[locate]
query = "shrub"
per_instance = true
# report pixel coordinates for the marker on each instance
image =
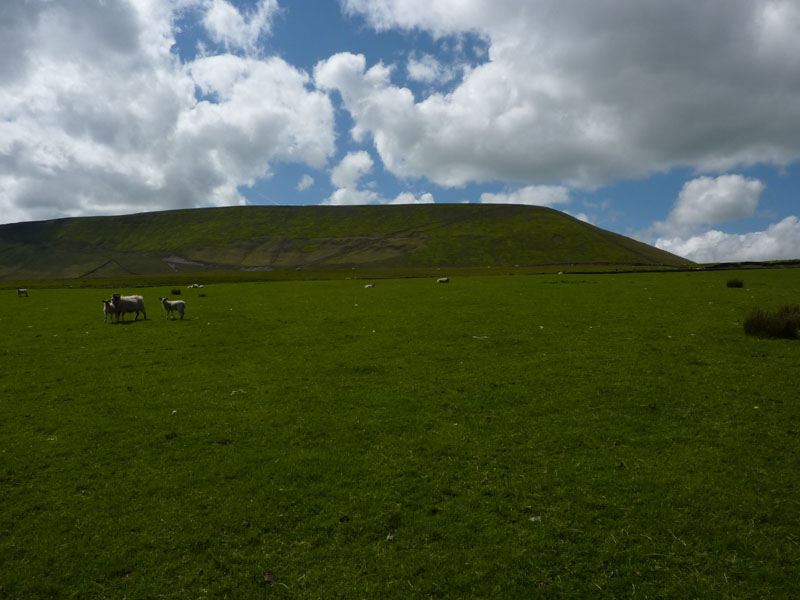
(783, 323)
(176, 292)
(735, 283)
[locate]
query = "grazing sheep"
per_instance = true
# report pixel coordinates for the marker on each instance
(172, 305)
(443, 280)
(369, 286)
(22, 291)
(126, 304)
(108, 311)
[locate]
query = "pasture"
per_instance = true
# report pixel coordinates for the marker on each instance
(497, 437)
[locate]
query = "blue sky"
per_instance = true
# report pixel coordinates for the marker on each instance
(674, 122)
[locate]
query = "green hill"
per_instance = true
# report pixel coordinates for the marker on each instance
(265, 238)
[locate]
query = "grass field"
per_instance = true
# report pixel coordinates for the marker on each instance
(544, 436)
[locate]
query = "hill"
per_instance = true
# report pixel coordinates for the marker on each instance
(265, 238)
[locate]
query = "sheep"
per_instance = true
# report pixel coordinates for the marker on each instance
(443, 280)
(108, 310)
(172, 305)
(22, 291)
(126, 304)
(369, 286)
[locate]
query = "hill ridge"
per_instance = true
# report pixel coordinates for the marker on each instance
(248, 238)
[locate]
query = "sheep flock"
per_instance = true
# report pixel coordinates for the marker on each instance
(118, 305)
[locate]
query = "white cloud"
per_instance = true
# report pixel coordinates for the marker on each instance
(347, 175)
(584, 92)
(427, 69)
(581, 216)
(711, 200)
(409, 198)
(352, 168)
(101, 118)
(227, 26)
(306, 181)
(780, 241)
(351, 196)
(707, 201)
(538, 195)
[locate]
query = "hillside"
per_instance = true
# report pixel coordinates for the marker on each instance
(264, 238)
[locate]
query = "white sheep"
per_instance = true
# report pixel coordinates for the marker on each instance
(108, 310)
(126, 304)
(172, 305)
(443, 280)
(22, 291)
(369, 286)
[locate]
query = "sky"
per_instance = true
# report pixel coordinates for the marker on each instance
(674, 122)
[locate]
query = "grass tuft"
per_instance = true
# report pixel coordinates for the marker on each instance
(782, 323)
(176, 292)
(735, 283)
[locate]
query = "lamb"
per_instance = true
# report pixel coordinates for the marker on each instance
(22, 291)
(172, 305)
(126, 304)
(108, 310)
(443, 280)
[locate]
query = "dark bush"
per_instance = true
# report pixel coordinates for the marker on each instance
(783, 323)
(176, 292)
(735, 283)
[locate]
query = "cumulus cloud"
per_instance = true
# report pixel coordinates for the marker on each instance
(711, 200)
(707, 201)
(428, 69)
(347, 175)
(227, 26)
(581, 216)
(409, 198)
(352, 168)
(351, 196)
(779, 241)
(584, 92)
(538, 195)
(306, 181)
(104, 119)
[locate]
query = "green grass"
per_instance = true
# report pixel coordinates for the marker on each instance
(520, 437)
(313, 237)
